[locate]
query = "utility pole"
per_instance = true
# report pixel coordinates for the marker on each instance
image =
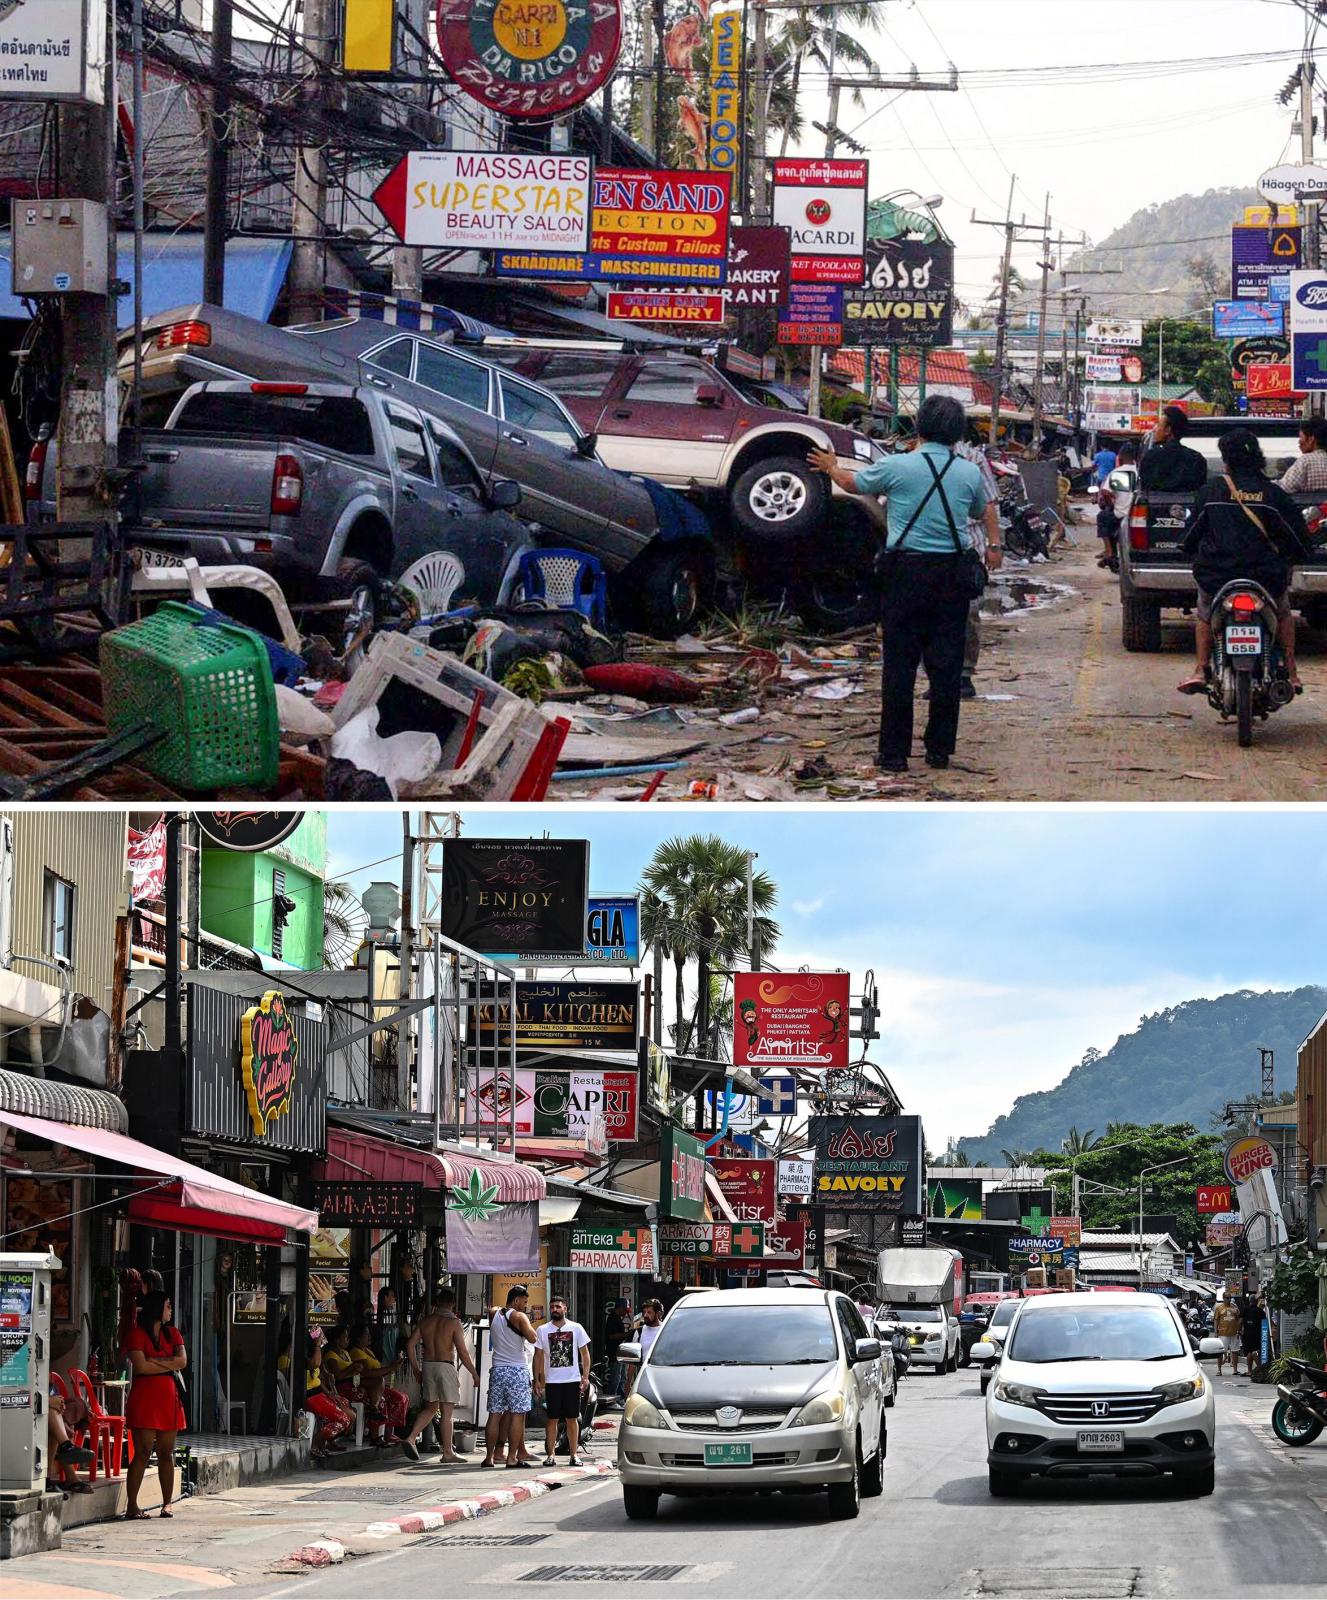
(89, 390)
(1041, 329)
(215, 220)
(308, 223)
(648, 52)
(1312, 245)
(408, 260)
(659, 65)
(760, 115)
(1011, 229)
(406, 960)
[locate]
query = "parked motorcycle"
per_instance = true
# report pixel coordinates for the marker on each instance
(1246, 677)
(1300, 1415)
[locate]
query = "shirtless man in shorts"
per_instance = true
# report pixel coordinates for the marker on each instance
(442, 1340)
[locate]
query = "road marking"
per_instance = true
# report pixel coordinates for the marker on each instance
(1090, 666)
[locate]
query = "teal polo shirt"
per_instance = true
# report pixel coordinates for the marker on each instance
(905, 479)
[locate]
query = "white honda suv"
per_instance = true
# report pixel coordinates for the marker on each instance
(1098, 1383)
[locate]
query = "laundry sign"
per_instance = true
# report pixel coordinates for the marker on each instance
(908, 296)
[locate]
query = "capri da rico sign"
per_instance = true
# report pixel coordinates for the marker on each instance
(529, 58)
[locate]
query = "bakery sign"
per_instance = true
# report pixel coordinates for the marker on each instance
(269, 1060)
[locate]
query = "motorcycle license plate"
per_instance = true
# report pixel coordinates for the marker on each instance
(736, 1454)
(1243, 641)
(1100, 1440)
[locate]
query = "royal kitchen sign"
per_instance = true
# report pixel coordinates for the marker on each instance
(869, 1163)
(791, 1019)
(529, 58)
(561, 1015)
(482, 200)
(822, 203)
(908, 296)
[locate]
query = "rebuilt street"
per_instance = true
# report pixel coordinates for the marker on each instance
(935, 1531)
(1063, 712)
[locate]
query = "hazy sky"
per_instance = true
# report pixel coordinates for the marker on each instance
(1004, 943)
(1103, 146)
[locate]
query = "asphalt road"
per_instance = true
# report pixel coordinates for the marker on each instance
(935, 1531)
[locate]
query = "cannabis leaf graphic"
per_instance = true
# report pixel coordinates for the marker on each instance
(477, 1201)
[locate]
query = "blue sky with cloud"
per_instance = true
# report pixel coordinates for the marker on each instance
(1004, 943)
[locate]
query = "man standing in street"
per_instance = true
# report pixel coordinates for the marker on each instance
(434, 1349)
(651, 1318)
(562, 1372)
(509, 1331)
(1227, 1325)
(617, 1329)
(1103, 464)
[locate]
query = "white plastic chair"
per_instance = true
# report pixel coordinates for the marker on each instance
(435, 578)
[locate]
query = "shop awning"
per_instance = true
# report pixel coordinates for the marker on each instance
(354, 1157)
(194, 1201)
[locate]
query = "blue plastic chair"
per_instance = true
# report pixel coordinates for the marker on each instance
(565, 580)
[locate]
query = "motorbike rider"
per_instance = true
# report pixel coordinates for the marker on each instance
(1244, 526)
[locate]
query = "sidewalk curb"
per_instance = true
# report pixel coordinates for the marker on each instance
(330, 1552)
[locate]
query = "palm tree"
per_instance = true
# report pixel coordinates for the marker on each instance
(1017, 1158)
(1077, 1144)
(693, 908)
(807, 35)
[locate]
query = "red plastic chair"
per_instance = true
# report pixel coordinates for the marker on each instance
(76, 1435)
(107, 1432)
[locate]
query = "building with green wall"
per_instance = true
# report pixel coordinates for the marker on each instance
(271, 901)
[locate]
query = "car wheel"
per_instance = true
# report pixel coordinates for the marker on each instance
(673, 586)
(985, 1382)
(845, 1499)
(892, 1396)
(1200, 1482)
(640, 1503)
(1140, 625)
(357, 582)
(838, 602)
(779, 498)
(1002, 1484)
(873, 1472)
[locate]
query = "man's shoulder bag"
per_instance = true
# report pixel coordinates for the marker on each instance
(970, 574)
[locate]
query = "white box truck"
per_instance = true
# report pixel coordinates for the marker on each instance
(921, 1289)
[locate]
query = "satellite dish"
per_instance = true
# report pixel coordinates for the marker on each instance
(344, 923)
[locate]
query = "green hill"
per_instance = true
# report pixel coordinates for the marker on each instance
(1158, 248)
(1178, 1065)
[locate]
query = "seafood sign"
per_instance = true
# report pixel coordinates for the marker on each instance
(795, 1019)
(868, 1163)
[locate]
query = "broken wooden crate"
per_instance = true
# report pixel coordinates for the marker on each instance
(495, 746)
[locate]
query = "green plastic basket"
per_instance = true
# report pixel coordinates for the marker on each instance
(207, 685)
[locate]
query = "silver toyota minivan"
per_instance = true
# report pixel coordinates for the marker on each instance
(747, 1389)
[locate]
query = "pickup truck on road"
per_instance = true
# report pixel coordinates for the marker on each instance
(1154, 573)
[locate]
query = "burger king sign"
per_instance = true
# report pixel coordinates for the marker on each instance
(1246, 1156)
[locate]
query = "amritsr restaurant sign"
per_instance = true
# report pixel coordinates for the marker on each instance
(516, 899)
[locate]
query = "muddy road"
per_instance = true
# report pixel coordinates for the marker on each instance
(1063, 713)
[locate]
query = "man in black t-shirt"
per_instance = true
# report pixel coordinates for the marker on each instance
(617, 1330)
(1167, 464)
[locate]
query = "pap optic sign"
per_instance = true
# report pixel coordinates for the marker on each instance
(529, 58)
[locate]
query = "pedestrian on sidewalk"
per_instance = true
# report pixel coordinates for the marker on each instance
(1103, 464)
(924, 573)
(562, 1375)
(509, 1331)
(389, 1406)
(1252, 1308)
(1228, 1324)
(332, 1416)
(651, 1320)
(617, 1330)
(153, 1413)
(61, 1451)
(434, 1348)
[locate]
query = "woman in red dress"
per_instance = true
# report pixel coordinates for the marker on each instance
(154, 1414)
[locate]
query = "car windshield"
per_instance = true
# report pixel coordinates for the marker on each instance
(745, 1336)
(917, 1313)
(1003, 1314)
(1106, 1333)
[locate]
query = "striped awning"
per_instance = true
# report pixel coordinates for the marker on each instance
(62, 1102)
(355, 1157)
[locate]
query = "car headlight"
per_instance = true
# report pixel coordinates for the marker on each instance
(1174, 1394)
(863, 450)
(825, 1408)
(639, 1413)
(1017, 1394)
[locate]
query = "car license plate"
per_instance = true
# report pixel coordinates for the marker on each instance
(1101, 1439)
(1244, 641)
(728, 1455)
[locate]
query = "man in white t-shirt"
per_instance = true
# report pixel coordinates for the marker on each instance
(651, 1319)
(561, 1375)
